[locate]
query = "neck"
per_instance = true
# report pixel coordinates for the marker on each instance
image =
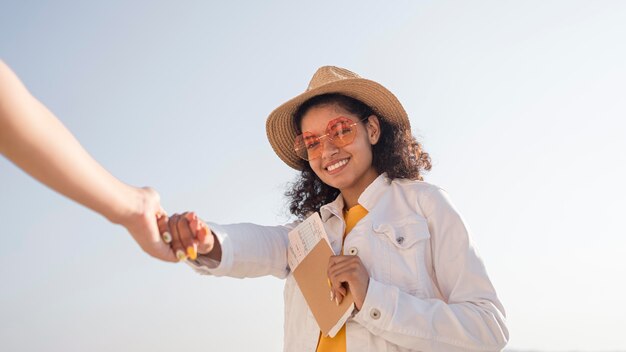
(351, 194)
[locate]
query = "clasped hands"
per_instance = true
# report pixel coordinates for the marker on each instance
(189, 236)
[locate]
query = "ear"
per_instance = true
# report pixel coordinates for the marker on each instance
(372, 126)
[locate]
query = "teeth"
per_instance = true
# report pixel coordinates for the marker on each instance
(337, 165)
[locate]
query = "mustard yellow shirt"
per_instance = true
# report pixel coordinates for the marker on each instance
(338, 343)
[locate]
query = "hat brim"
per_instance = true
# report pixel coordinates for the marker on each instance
(280, 128)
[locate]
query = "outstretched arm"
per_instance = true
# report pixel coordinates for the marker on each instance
(37, 142)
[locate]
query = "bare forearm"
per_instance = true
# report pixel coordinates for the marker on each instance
(36, 141)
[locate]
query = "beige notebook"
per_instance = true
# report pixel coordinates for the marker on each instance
(309, 252)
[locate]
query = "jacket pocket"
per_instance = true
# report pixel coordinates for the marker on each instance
(403, 244)
(405, 233)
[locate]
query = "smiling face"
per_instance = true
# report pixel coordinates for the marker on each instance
(348, 168)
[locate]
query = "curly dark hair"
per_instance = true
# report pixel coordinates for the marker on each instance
(397, 153)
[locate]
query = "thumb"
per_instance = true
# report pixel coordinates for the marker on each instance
(156, 247)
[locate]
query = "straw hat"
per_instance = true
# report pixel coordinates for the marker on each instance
(281, 130)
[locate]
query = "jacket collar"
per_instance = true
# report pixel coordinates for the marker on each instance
(367, 199)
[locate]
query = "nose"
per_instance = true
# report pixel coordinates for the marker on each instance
(328, 148)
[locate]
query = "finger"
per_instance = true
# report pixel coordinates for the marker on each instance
(341, 260)
(337, 287)
(203, 230)
(187, 237)
(336, 297)
(338, 264)
(164, 229)
(336, 259)
(192, 218)
(338, 294)
(198, 227)
(338, 270)
(205, 239)
(356, 281)
(332, 293)
(348, 271)
(344, 275)
(177, 244)
(161, 212)
(160, 249)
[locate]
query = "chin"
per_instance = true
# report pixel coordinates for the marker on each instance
(338, 182)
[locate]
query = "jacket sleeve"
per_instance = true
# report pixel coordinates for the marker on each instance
(248, 250)
(470, 318)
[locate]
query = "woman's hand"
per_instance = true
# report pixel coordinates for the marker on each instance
(347, 272)
(189, 236)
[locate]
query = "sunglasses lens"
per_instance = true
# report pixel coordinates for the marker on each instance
(308, 146)
(342, 132)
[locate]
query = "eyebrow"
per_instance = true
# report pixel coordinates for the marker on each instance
(327, 125)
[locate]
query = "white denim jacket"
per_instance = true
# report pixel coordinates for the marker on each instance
(428, 289)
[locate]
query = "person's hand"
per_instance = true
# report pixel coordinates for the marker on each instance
(347, 272)
(188, 235)
(141, 223)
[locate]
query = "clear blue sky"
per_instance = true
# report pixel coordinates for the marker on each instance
(520, 103)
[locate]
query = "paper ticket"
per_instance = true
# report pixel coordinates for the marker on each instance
(303, 238)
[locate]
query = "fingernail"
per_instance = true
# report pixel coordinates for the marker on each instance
(167, 237)
(191, 253)
(332, 295)
(337, 300)
(196, 224)
(202, 228)
(181, 255)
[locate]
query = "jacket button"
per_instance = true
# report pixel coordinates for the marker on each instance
(353, 251)
(400, 240)
(375, 313)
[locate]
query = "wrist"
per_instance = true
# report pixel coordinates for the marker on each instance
(215, 253)
(132, 206)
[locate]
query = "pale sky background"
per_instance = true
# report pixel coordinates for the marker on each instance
(522, 105)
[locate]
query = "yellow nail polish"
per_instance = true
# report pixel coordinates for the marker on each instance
(191, 253)
(181, 255)
(167, 238)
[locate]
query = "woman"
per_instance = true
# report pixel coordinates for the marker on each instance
(406, 257)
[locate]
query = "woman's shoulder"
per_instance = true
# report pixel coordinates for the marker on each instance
(404, 198)
(425, 195)
(421, 187)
